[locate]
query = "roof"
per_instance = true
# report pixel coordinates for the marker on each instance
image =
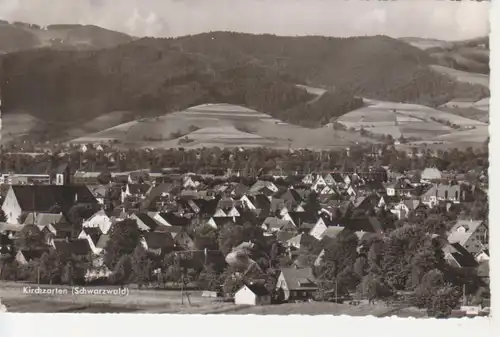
(461, 255)
(32, 254)
(299, 278)
(94, 233)
(157, 240)
(8, 227)
(44, 219)
(103, 241)
(147, 220)
(431, 173)
(174, 220)
(303, 239)
(77, 247)
(138, 188)
(459, 236)
(332, 232)
(275, 223)
(285, 236)
(257, 288)
(364, 223)
(40, 198)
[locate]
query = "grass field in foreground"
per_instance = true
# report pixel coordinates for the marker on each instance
(162, 301)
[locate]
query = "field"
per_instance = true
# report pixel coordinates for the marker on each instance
(222, 125)
(16, 125)
(409, 120)
(162, 301)
(463, 76)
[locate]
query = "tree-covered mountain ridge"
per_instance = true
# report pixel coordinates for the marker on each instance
(161, 75)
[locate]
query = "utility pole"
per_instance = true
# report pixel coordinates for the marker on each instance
(336, 292)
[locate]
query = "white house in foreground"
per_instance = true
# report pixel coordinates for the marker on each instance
(252, 294)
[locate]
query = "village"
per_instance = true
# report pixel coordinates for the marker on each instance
(371, 234)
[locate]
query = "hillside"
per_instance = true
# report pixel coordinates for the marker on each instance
(471, 55)
(155, 76)
(412, 120)
(221, 125)
(18, 36)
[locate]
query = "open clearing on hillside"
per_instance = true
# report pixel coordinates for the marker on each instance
(462, 76)
(423, 43)
(221, 125)
(15, 125)
(410, 120)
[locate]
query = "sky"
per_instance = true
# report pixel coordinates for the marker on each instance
(440, 19)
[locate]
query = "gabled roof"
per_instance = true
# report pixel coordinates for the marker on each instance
(40, 198)
(76, 247)
(174, 220)
(44, 219)
(138, 189)
(158, 240)
(364, 223)
(303, 239)
(459, 236)
(275, 223)
(461, 255)
(299, 278)
(102, 242)
(94, 233)
(285, 236)
(32, 254)
(332, 232)
(257, 288)
(147, 220)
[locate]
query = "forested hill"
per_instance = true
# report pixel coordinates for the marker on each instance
(257, 71)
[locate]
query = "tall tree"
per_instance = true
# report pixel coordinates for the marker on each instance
(141, 266)
(124, 236)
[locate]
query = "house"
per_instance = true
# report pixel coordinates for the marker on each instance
(23, 199)
(25, 256)
(331, 232)
(246, 203)
(400, 188)
(441, 192)
(8, 234)
(179, 236)
(458, 256)
(431, 174)
(272, 225)
(302, 241)
(45, 219)
(99, 192)
(404, 207)
(135, 190)
(171, 219)
(368, 224)
(318, 229)
(319, 184)
(328, 178)
(92, 235)
(261, 185)
(473, 235)
(252, 294)
(144, 221)
(100, 220)
(79, 247)
(296, 284)
(308, 179)
(157, 243)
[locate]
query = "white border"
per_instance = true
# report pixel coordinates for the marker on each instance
(21, 325)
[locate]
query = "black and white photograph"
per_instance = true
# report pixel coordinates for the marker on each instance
(245, 157)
